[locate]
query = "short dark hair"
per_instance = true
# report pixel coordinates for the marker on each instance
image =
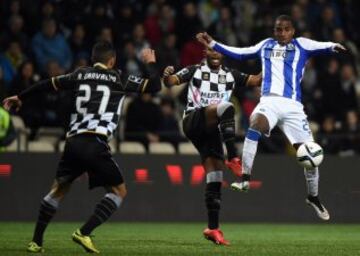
(284, 17)
(102, 52)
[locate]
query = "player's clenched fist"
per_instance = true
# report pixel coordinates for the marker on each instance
(168, 71)
(204, 38)
(148, 55)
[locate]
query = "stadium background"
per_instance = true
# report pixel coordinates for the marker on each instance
(40, 39)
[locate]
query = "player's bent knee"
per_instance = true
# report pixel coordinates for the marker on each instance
(225, 108)
(119, 190)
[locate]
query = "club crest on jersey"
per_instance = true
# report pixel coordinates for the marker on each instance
(205, 76)
(290, 47)
(222, 79)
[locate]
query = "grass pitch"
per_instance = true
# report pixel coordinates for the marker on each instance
(186, 239)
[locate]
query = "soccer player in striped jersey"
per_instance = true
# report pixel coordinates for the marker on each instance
(283, 61)
(98, 96)
(209, 121)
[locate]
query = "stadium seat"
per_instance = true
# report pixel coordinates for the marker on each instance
(161, 148)
(187, 148)
(113, 145)
(18, 123)
(40, 146)
(130, 147)
(13, 147)
(61, 146)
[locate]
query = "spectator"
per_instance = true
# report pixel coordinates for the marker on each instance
(187, 24)
(32, 112)
(125, 23)
(167, 53)
(143, 128)
(3, 89)
(129, 62)
(50, 45)
(139, 40)
(78, 42)
(352, 55)
(224, 28)
(169, 128)
(351, 132)
(14, 31)
(328, 137)
(15, 54)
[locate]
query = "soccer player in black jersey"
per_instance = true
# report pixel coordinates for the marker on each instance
(98, 95)
(209, 121)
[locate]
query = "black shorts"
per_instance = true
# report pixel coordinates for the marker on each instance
(89, 153)
(207, 141)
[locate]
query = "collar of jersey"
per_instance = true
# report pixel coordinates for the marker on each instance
(99, 64)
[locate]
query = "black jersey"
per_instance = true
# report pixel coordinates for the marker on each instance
(98, 95)
(207, 86)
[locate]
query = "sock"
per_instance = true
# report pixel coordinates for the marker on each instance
(249, 151)
(312, 181)
(47, 211)
(213, 197)
(226, 112)
(103, 211)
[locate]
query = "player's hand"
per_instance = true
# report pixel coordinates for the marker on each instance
(168, 71)
(148, 55)
(12, 102)
(204, 38)
(339, 48)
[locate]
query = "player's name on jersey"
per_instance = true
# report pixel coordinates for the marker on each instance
(97, 76)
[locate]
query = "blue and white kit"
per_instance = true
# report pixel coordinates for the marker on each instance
(282, 71)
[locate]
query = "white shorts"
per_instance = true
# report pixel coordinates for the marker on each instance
(288, 115)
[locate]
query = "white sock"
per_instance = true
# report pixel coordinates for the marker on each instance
(312, 181)
(248, 155)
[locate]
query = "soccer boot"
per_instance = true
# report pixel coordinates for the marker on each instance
(34, 248)
(234, 165)
(216, 236)
(320, 210)
(84, 241)
(242, 186)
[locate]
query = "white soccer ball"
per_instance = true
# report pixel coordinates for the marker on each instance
(310, 155)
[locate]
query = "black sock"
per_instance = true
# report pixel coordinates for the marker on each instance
(213, 200)
(103, 211)
(46, 213)
(245, 177)
(227, 130)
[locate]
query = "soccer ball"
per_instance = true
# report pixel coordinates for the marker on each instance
(310, 155)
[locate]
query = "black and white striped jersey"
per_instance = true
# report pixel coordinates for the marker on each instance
(98, 96)
(207, 87)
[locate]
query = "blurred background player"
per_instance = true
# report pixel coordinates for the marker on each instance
(208, 121)
(99, 94)
(283, 60)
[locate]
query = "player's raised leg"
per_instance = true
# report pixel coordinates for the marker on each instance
(258, 125)
(226, 114)
(214, 178)
(47, 211)
(103, 211)
(312, 185)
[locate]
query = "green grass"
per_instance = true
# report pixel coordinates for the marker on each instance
(186, 239)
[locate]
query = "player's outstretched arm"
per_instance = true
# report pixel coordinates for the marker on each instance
(315, 47)
(16, 100)
(233, 52)
(150, 82)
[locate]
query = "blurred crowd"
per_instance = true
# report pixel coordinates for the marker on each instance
(44, 38)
